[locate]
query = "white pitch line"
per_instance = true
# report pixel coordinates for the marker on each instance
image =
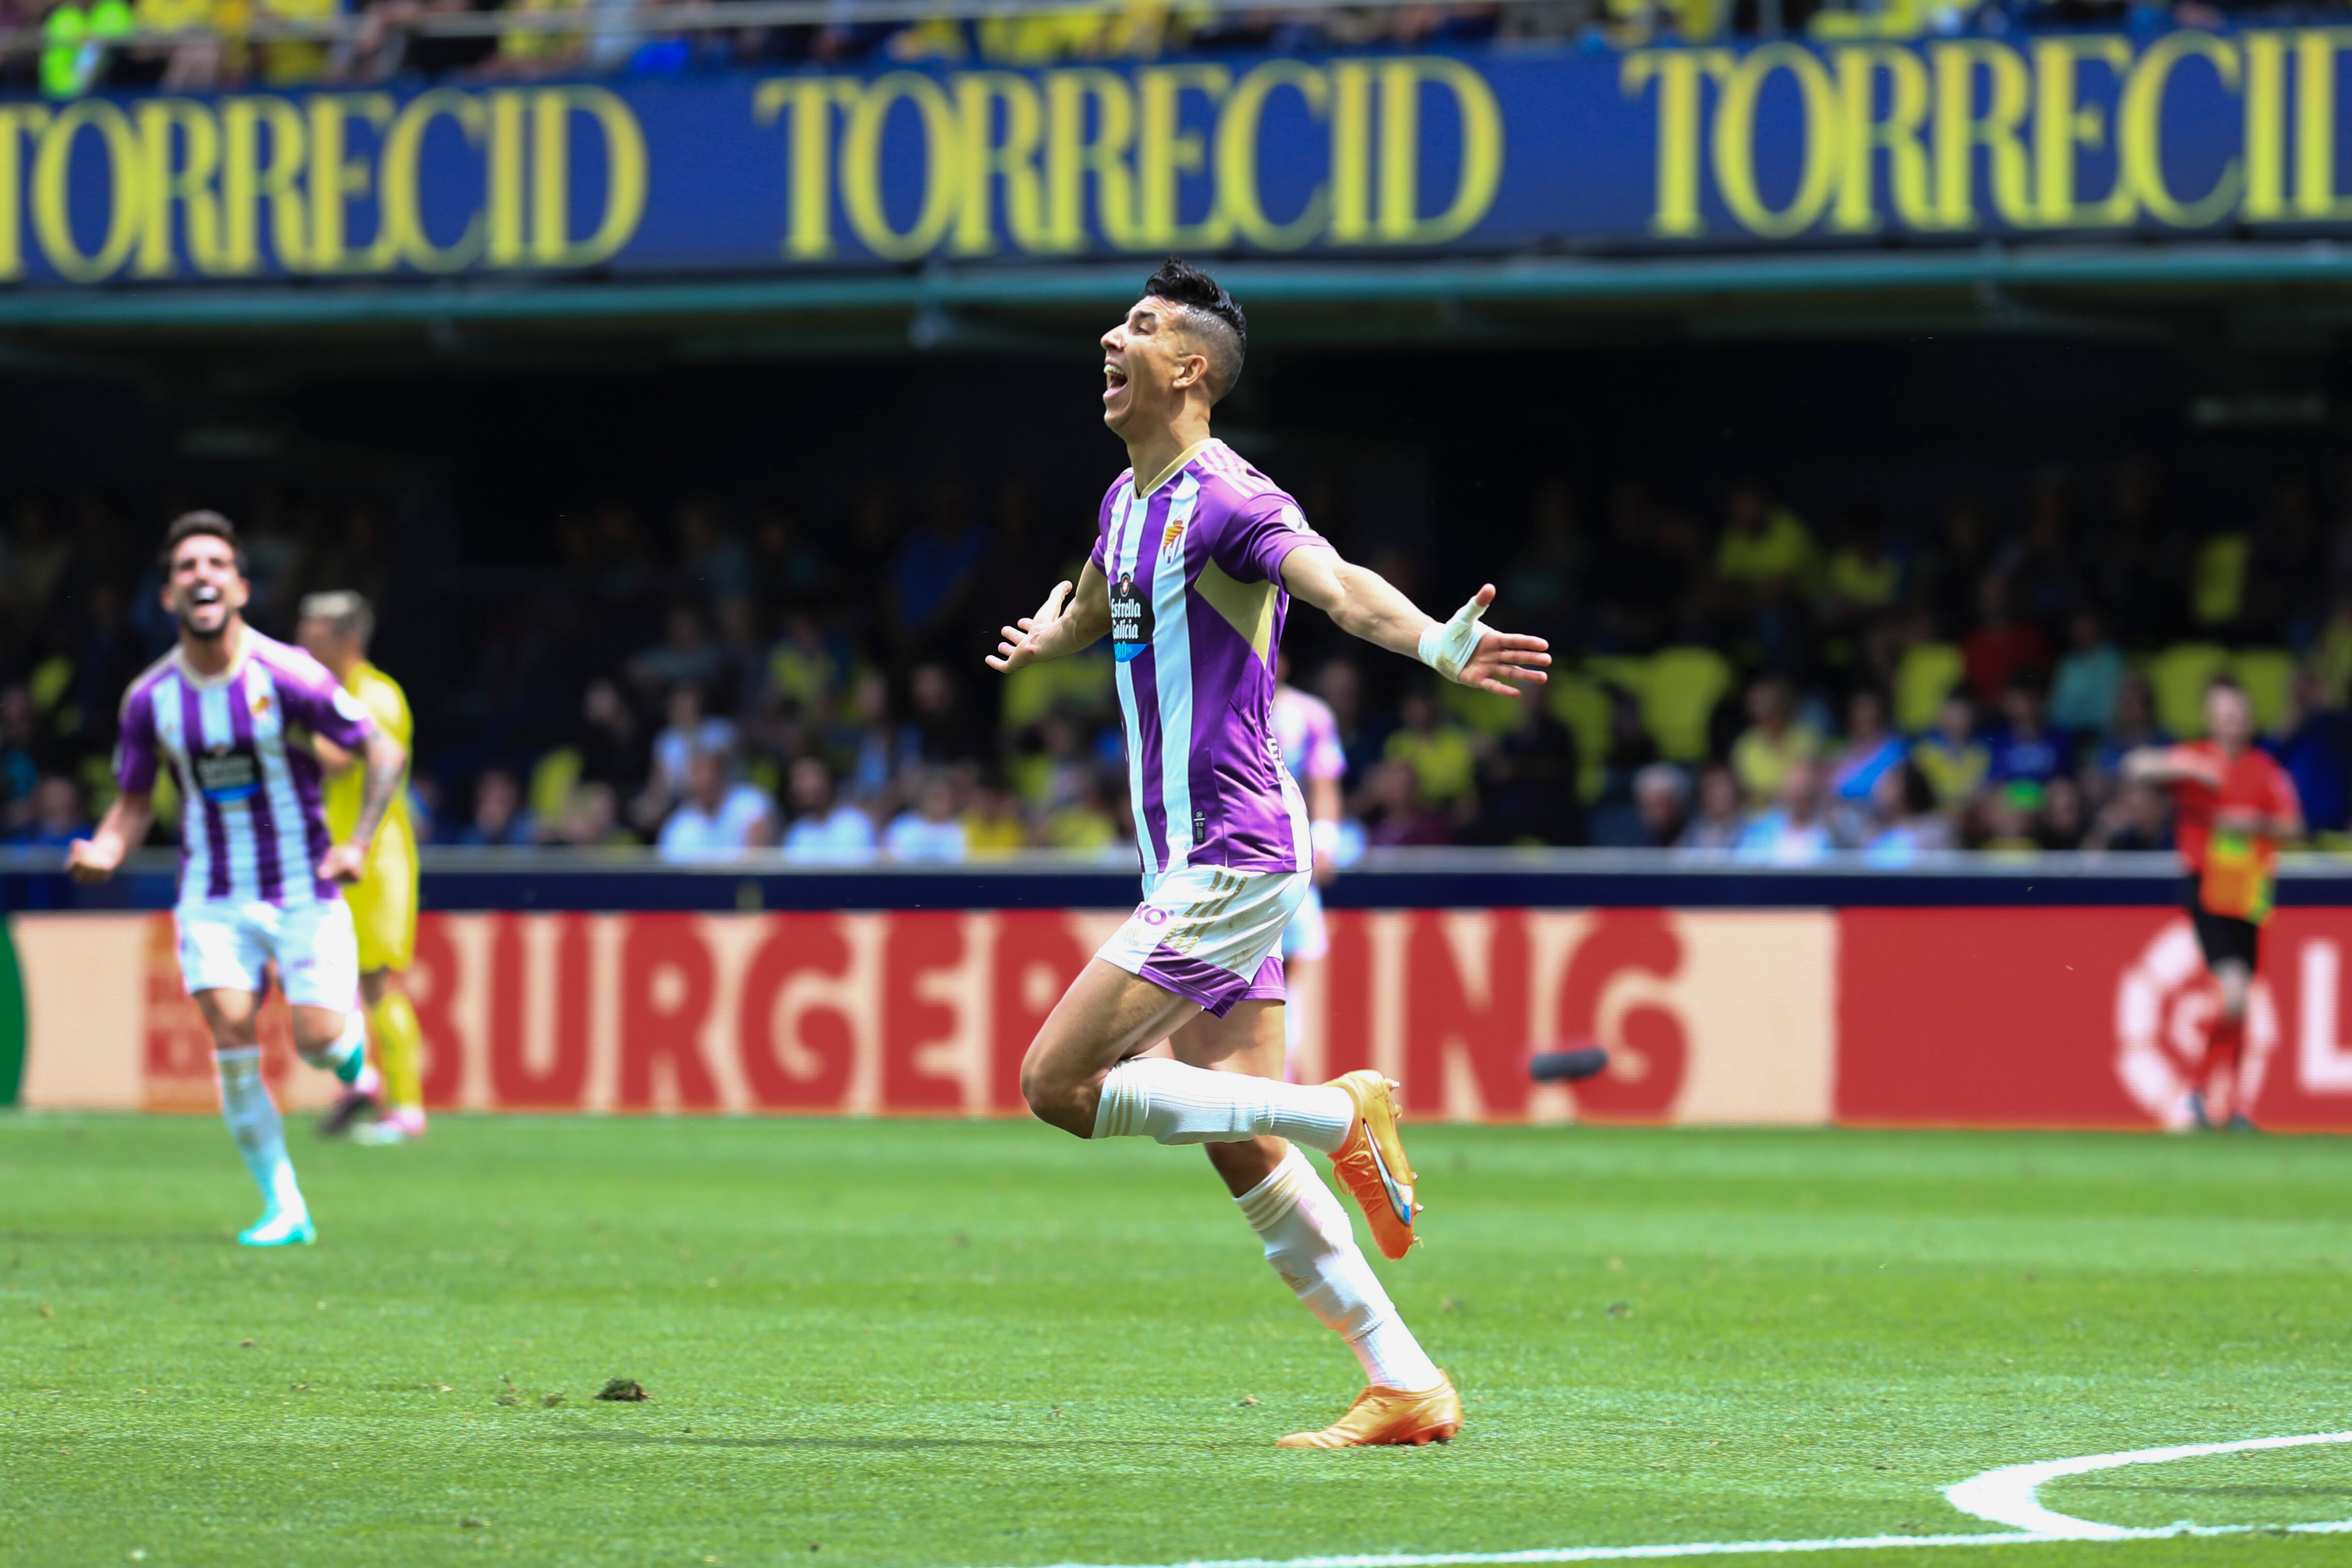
(2005, 1496)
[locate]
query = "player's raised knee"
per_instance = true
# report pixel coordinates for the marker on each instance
(1057, 1097)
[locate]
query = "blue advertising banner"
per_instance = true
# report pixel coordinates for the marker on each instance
(1781, 145)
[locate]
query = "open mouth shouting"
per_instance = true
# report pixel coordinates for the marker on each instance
(1114, 380)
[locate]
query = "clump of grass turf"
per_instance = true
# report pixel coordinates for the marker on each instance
(626, 1389)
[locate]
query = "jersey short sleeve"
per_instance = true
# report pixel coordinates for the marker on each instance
(1325, 759)
(134, 750)
(316, 702)
(1263, 530)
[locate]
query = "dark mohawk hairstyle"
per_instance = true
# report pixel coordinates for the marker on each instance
(1214, 310)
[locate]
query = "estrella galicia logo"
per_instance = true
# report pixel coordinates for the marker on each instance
(1131, 619)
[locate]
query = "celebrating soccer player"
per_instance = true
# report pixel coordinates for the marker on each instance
(1196, 556)
(2232, 805)
(260, 879)
(334, 629)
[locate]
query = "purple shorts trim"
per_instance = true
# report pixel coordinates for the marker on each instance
(1198, 980)
(1270, 984)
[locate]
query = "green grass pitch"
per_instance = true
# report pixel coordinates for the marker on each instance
(989, 1345)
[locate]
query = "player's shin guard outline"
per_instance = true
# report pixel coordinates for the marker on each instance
(1309, 1243)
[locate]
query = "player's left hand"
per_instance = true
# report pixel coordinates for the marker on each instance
(343, 863)
(1505, 661)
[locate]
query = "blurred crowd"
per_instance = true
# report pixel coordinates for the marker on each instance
(1738, 678)
(383, 42)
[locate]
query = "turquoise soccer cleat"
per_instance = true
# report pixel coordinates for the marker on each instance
(279, 1228)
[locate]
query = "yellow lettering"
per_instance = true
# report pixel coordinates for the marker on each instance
(1673, 208)
(2061, 123)
(246, 183)
(1352, 151)
(502, 180)
(861, 165)
(551, 243)
(1165, 152)
(1959, 131)
(52, 214)
(335, 179)
(188, 184)
(1482, 150)
(2141, 120)
(1858, 69)
(808, 172)
(2265, 143)
(17, 121)
(1071, 156)
(1014, 159)
(2315, 49)
(1734, 141)
(403, 214)
(1237, 142)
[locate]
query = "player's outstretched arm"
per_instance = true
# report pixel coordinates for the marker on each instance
(386, 762)
(1364, 604)
(96, 857)
(1066, 623)
(2162, 766)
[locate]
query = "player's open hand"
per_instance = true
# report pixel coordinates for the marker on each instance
(343, 863)
(88, 861)
(1019, 641)
(1503, 662)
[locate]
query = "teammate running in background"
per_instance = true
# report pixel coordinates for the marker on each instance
(334, 629)
(1309, 734)
(1196, 556)
(260, 879)
(2231, 807)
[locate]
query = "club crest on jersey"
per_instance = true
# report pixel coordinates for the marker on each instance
(260, 705)
(1172, 538)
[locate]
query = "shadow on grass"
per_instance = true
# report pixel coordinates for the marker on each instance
(859, 1445)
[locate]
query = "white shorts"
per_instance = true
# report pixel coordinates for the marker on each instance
(223, 945)
(1209, 934)
(1305, 937)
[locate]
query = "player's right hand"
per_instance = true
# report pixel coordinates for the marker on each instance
(1018, 644)
(87, 861)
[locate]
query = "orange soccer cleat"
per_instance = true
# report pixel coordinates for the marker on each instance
(1390, 1415)
(1372, 1165)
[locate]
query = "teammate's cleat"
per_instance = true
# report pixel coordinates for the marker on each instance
(1372, 1162)
(358, 1100)
(2197, 1118)
(278, 1227)
(1388, 1416)
(401, 1124)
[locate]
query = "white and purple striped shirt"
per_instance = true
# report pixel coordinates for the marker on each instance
(253, 827)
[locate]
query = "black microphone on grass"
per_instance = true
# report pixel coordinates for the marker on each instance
(1571, 1064)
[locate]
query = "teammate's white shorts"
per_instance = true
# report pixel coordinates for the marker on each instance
(1305, 937)
(1209, 934)
(224, 943)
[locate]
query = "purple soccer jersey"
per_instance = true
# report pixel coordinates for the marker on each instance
(253, 826)
(1196, 610)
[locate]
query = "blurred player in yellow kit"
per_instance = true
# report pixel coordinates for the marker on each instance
(334, 629)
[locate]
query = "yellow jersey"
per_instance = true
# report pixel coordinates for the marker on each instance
(383, 901)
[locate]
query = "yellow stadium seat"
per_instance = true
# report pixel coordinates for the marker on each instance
(2268, 676)
(1488, 713)
(1923, 679)
(2179, 676)
(1680, 697)
(1582, 704)
(2217, 580)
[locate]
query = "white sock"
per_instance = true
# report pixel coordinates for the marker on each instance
(253, 1121)
(335, 1056)
(1308, 1241)
(1152, 1097)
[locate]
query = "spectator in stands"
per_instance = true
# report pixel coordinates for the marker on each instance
(1438, 753)
(1904, 822)
(612, 753)
(992, 824)
(2041, 568)
(1954, 761)
(822, 828)
(1662, 801)
(2136, 819)
(1774, 742)
(2064, 821)
(1082, 823)
(2133, 726)
(931, 829)
(2003, 646)
(499, 820)
(2011, 818)
(2089, 676)
(1872, 748)
(1395, 816)
(57, 818)
(1526, 783)
(1340, 684)
(2024, 746)
(592, 818)
(691, 729)
(1863, 579)
(1794, 831)
(718, 815)
(942, 721)
(1615, 819)
(685, 657)
(1541, 582)
(933, 570)
(1720, 821)
(1766, 550)
(2315, 749)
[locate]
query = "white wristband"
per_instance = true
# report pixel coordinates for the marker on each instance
(1446, 649)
